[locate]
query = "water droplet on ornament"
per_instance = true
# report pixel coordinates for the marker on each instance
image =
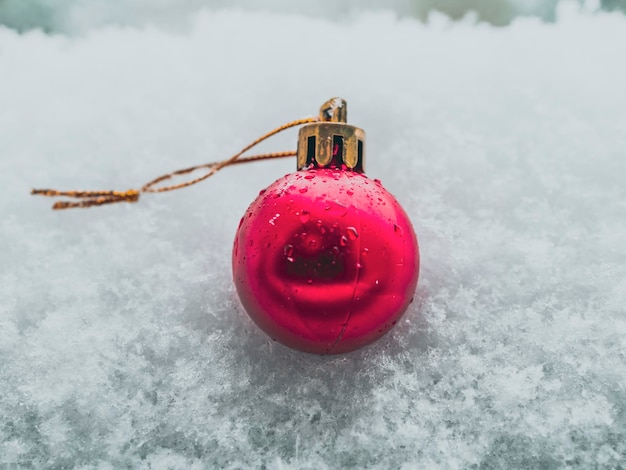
(359, 265)
(365, 251)
(352, 233)
(290, 259)
(343, 241)
(263, 191)
(309, 177)
(376, 180)
(273, 219)
(349, 192)
(303, 190)
(304, 217)
(250, 242)
(288, 250)
(398, 230)
(309, 281)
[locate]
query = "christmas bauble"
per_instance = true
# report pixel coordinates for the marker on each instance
(325, 260)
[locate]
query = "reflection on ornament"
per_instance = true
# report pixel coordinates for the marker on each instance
(325, 260)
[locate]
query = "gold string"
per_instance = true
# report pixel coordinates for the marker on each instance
(99, 198)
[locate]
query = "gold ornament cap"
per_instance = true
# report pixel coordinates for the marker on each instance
(331, 142)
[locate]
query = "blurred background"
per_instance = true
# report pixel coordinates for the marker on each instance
(76, 16)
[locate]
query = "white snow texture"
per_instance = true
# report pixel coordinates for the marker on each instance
(122, 341)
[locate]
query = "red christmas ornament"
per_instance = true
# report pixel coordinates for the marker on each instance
(325, 260)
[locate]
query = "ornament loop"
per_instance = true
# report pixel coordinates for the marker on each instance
(99, 197)
(334, 110)
(326, 141)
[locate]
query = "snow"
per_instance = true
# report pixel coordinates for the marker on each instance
(122, 342)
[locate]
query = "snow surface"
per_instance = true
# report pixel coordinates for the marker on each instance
(122, 342)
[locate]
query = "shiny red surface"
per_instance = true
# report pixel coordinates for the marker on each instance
(325, 261)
